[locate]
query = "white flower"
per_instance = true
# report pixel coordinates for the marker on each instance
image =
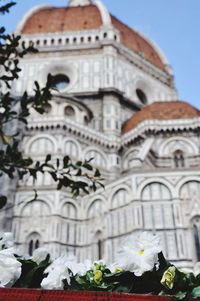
(196, 269)
(82, 268)
(2, 110)
(10, 268)
(39, 255)
(115, 268)
(57, 272)
(141, 256)
(186, 270)
(6, 240)
(77, 268)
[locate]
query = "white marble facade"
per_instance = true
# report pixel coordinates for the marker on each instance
(152, 176)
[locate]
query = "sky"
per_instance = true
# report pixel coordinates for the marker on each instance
(174, 25)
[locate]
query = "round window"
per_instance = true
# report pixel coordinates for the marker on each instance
(60, 82)
(69, 111)
(141, 96)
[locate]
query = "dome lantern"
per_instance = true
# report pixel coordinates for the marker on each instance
(79, 2)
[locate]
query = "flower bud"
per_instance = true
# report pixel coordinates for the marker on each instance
(97, 276)
(168, 277)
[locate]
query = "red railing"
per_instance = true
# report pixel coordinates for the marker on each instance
(40, 295)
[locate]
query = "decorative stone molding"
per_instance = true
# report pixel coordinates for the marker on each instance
(160, 125)
(104, 13)
(79, 2)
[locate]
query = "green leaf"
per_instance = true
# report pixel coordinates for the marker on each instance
(79, 163)
(60, 185)
(5, 8)
(97, 173)
(88, 161)
(48, 158)
(32, 273)
(54, 176)
(87, 166)
(196, 292)
(180, 295)
(66, 161)
(5, 139)
(79, 173)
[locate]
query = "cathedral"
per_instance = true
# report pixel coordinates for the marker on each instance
(115, 101)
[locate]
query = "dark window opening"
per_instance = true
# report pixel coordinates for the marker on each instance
(99, 249)
(86, 120)
(60, 82)
(197, 240)
(99, 244)
(30, 248)
(37, 244)
(179, 160)
(141, 96)
(69, 111)
(33, 245)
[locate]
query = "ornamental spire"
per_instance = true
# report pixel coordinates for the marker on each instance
(79, 2)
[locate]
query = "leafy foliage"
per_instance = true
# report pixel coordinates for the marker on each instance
(32, 273)
(14, 112)
(100, 278)
(41, 271)
(96, 279)
(5, 8)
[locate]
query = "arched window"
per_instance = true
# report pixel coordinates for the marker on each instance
(98, 158)
(120, 198)
(69, 211)
(33, 245)
(156, 206)
(196, 233)
(179, 160)
(156, 192)
(96, 209)
(190, 191)
(71, 148)
(41, 145)
(36, 209)
(34, 241)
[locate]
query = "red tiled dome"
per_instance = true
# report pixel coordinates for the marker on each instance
(61, 19)
(51, 20)
(162, 111)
